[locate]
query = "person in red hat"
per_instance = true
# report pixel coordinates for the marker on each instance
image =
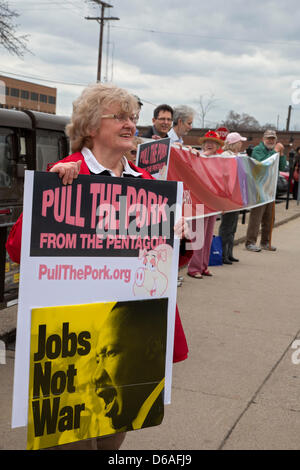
(198, 265)
(211, 142)
(223, 133)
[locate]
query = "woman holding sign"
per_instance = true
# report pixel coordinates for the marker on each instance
(101, 131)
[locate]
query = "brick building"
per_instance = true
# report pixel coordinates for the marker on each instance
(19, 94)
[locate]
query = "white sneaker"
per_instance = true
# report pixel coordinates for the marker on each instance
(268, 247)
(252, 247)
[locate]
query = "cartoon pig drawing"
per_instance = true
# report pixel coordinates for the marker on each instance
(152, 278)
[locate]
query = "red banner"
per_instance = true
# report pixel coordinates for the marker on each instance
(211, 181)
(223, 183)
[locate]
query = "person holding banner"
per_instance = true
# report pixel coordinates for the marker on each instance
(162, 122)
(198, 265)
(182, 123)
(233, 145)
(140, 104)
(264, 215)
(101, 130)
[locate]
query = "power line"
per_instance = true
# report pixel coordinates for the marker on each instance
(58, 82)
(289, 43)
(151, 30)
(42, 6)
(40, 3)
(154, 31)
(32, 77)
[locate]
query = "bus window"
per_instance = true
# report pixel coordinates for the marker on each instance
(22, 147)
(48, 148)
(5, 158)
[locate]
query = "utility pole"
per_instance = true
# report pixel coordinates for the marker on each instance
(288, 118)
(101, 20)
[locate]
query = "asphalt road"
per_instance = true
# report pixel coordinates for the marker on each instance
(239, 388)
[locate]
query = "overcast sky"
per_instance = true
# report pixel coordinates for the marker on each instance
(244, 54)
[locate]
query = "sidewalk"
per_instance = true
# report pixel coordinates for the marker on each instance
(8, 316)
(239, 388)
(282, 215)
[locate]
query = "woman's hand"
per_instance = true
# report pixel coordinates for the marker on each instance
(182, 229)
(194, 151)
(68, 171)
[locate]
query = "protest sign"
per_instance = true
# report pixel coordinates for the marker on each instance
(153, 156)
(95, 369)
(99, 240)
(223, 132)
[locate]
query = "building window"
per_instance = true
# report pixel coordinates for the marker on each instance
(25, 94)
(43, 98)
(51, 100)
(15, 92)
(34, 96)
(7, 91)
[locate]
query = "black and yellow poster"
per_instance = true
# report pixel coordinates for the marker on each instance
(84, 246)
(96, 369)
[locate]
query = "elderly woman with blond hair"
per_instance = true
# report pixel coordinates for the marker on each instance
(232, 146)
(101, 131)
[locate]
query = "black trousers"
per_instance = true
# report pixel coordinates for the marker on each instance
(227, 231)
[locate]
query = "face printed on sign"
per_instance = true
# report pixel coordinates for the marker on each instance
(96, 369)
(129, 362)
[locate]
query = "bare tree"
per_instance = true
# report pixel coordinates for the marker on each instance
(244, 122)
(8, 31)
(205, 104)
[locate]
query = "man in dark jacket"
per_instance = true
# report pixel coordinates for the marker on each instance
(264, 215)
(162, 122)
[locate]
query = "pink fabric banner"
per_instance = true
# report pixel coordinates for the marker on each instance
(223, 183)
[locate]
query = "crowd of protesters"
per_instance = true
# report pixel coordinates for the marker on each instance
(104, 141)
(176, 123)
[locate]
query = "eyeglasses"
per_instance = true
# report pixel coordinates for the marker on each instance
(121, 117)
(164, 119)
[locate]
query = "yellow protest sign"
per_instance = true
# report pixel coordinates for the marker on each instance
(95, 369)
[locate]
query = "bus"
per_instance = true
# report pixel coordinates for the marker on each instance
(29, 140)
